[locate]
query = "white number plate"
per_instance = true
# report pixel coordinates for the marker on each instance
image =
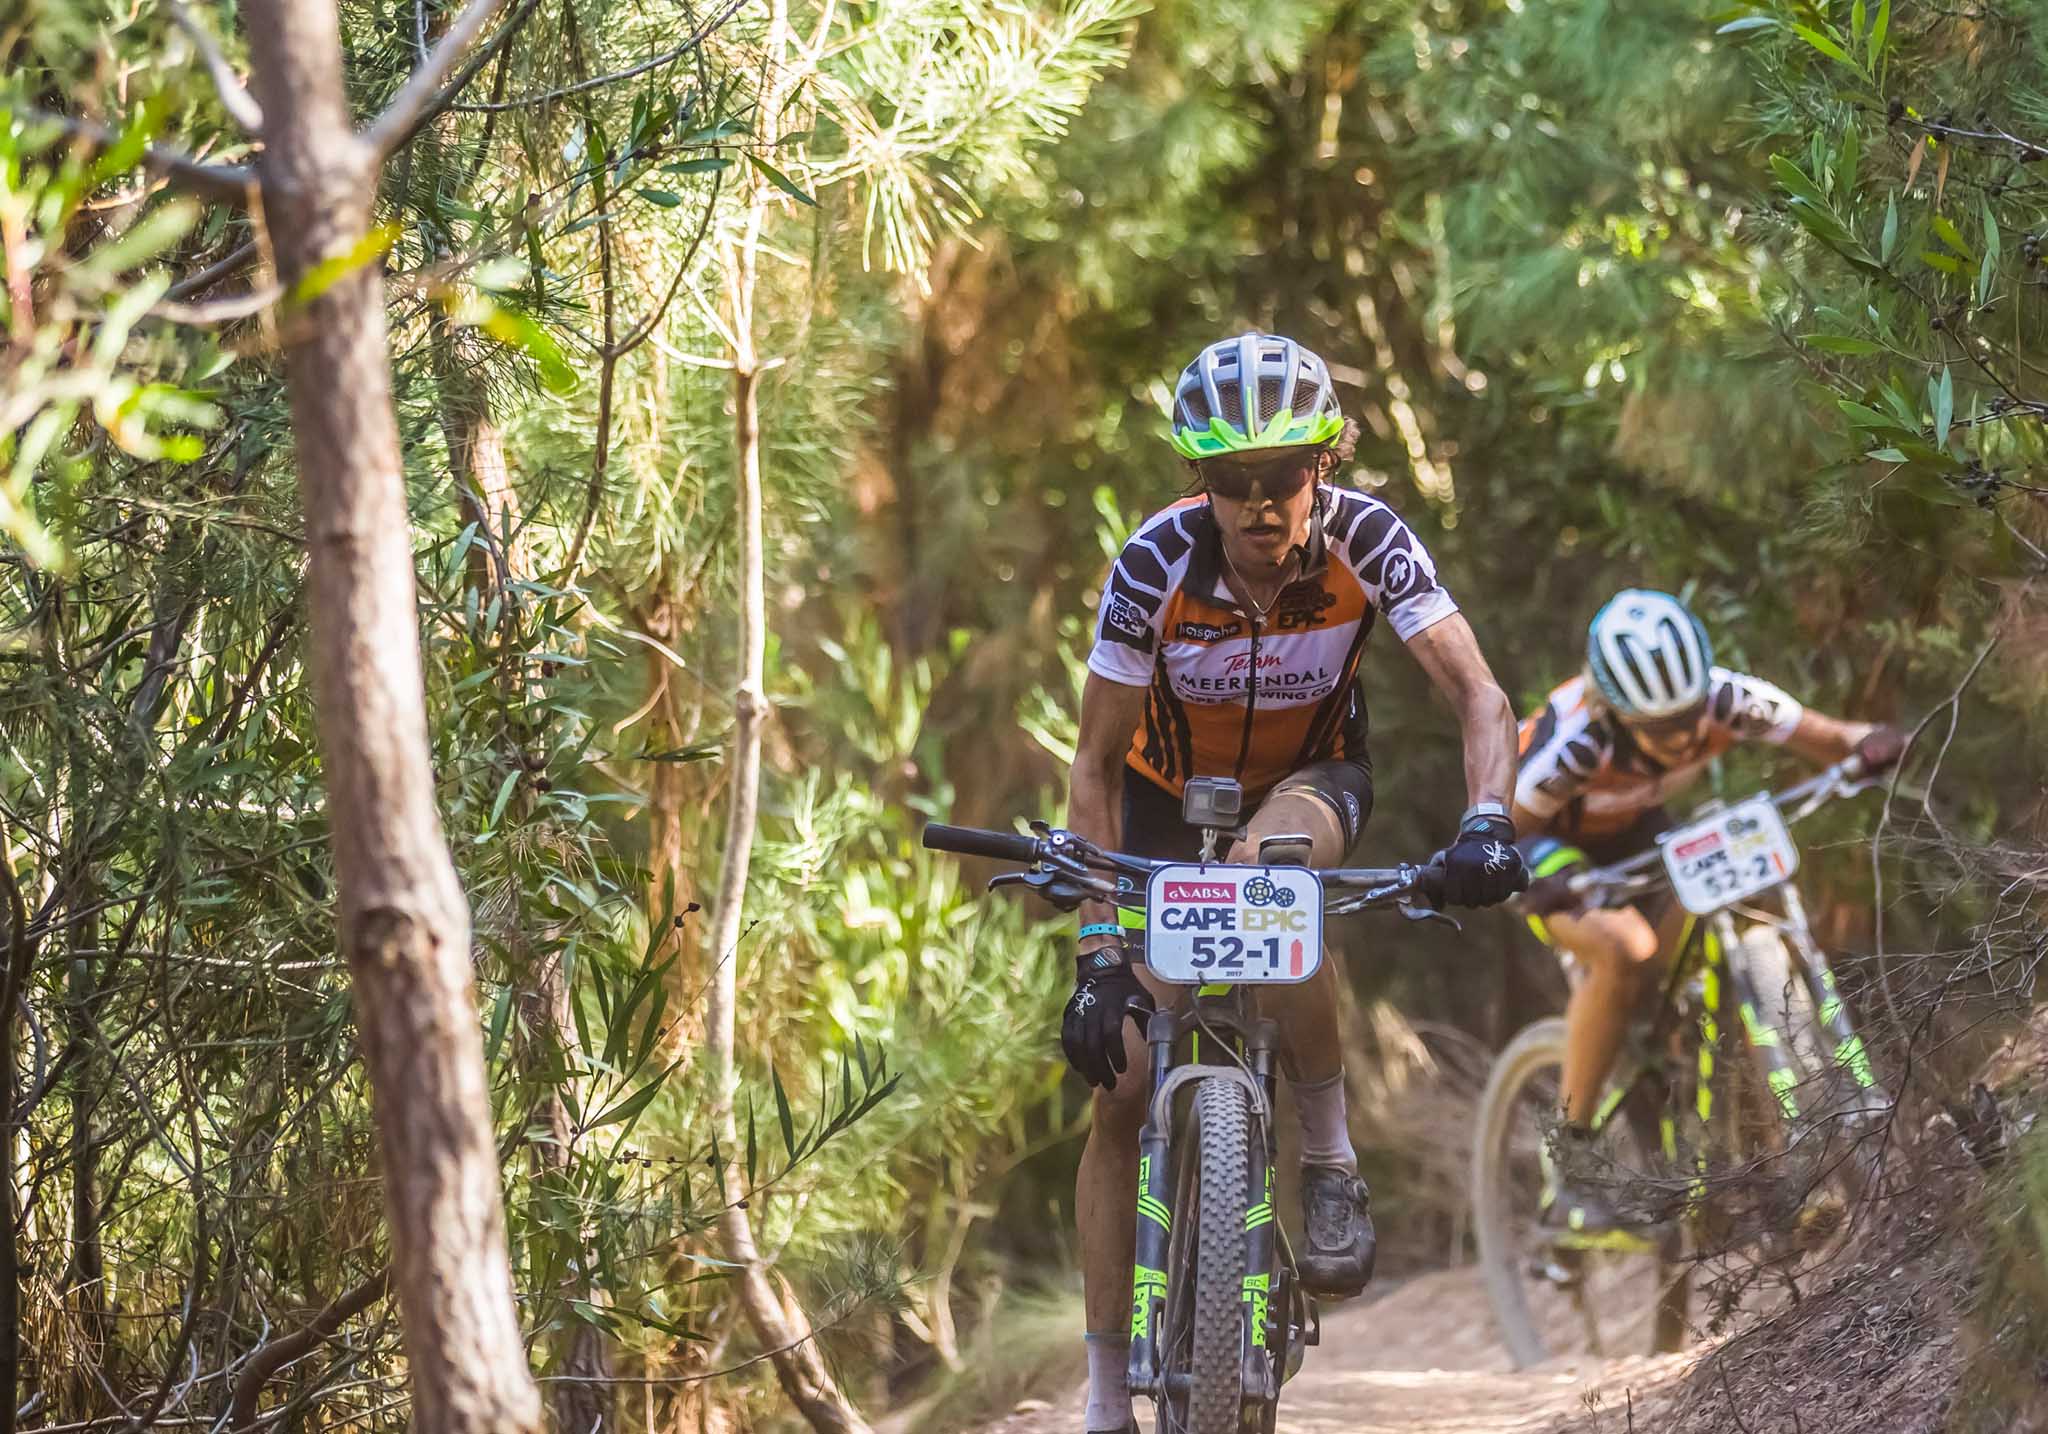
(1236, 925)
(1730, 855)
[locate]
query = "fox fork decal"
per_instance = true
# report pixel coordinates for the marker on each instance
(1772, 1046)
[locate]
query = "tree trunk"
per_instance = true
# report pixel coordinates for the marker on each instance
(404, 925)
(783, 1331)
(674, 788)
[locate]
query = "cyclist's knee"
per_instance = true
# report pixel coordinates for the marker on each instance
(1297, 814)
(1120, 1112)
(1601, 940)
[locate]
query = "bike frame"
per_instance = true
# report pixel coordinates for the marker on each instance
(1225, 1014)
(1279, 1317)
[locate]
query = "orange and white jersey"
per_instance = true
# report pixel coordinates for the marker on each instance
(1256, 699)
(1584, 775)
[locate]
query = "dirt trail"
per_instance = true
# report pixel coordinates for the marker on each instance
(1421, 1358)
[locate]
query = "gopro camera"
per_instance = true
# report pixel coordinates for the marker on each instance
(1214, 802)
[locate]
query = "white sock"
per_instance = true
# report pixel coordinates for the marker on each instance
(1109, 1387)
(1325, 1128)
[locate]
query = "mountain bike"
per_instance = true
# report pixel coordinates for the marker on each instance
(1787, 1087)
(1218, 1317)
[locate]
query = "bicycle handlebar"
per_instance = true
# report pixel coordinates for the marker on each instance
(972, 841)
(1645, 870)
(1067, 870)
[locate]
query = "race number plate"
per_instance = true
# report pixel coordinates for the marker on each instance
(1237, 925)
(1718, 861)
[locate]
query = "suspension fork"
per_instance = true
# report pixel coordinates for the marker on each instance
(1154, 1214)
(1843, 1041)
(1264, 1284)
(1713, 974)
(1771, 1044)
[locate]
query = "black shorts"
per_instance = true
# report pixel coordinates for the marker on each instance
(1153, 826)
(1547, 855)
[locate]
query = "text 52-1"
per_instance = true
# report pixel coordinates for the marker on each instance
(1231, 953)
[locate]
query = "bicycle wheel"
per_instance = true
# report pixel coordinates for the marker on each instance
(1547, 1301)
(1205, 1280)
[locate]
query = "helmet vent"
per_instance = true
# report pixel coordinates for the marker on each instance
(1272, 391)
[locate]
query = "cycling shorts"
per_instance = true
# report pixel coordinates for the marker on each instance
(1153, 826)
(1547, 855)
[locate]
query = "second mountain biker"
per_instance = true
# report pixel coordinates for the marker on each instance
(1227, 645)
(1637, 725)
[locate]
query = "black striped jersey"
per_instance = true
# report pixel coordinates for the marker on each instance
(1229, 695)
(1584, 776)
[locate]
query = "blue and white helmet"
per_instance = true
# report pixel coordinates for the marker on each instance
(1648, 656)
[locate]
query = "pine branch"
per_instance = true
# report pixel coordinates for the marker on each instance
(414, 104)
(227, 183)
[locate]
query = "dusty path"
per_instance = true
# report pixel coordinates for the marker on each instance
(1421, 1359)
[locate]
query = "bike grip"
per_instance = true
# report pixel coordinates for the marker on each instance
(1429, 883)
(973, 841)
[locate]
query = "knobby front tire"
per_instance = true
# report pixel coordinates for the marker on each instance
(1209, 1276)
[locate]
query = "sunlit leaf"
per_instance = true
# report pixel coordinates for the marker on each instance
(1823, 44)
(328, 272)
(1952, 236)
(780, 180)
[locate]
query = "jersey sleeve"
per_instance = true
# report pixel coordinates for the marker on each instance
(1560, 756)
(1397, 571)
(1751, 709)
(1129, 619)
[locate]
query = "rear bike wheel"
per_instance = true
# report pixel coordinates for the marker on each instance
(1547, 1301)
(1205, 1277)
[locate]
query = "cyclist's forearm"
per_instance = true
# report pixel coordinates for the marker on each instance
(1824, 740)
(1095, 813)
(1450, 654)
(1487, 722)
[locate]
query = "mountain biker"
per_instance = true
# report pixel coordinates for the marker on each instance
(1637, 725)
(1227, 644)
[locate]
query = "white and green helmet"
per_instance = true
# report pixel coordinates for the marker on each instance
(1253, 392)
(1648, 655)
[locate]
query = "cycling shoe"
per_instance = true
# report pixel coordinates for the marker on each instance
(1336, 1213)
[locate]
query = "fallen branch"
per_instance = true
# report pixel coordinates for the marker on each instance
(267, 1361)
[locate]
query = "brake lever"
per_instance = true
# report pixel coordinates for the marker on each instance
(1052, 887)
(1411, 911)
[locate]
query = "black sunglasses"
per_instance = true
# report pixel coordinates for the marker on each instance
(1277, 478)
(1670, 726)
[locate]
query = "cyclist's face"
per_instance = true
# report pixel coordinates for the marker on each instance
(1263, 506)
(1667, 738)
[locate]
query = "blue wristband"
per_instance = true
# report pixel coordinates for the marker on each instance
(1101, 928)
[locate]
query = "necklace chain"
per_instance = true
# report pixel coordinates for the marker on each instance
(1258, 613)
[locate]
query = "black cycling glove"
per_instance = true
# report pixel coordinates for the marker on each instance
(1483, 866)
(1549, 895)
(1881, 748)
(1106, 993)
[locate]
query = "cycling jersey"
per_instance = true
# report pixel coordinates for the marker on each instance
(1584, 775)
(1232, 695)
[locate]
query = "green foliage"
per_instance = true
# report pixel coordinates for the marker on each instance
(1616, 298)
(78, 315)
